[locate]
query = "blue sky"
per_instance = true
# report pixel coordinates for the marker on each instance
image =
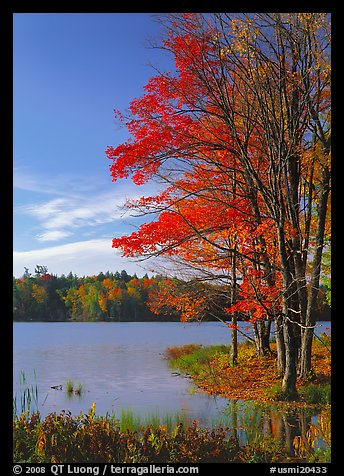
(71, 70)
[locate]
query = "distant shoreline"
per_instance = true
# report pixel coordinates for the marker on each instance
(137, 320)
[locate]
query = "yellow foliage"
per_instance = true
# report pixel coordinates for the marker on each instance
(133, 293)
(39, 293)
(102, 301)
(92, 411)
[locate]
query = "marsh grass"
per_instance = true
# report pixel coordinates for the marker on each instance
(69, 386)
(27, 399)
(79, 389)
(72, 388)
(128, 420)
(172, 353)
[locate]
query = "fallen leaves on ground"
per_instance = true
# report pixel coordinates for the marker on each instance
(254, 376)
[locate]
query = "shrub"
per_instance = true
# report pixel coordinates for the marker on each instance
(86, 438)
(264, 450)
(173, 353)
(25, 430)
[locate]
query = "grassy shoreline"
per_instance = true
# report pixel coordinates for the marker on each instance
(253, 378)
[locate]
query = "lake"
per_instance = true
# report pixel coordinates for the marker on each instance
(120, 365)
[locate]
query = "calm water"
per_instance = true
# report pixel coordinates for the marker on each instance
(120, 365)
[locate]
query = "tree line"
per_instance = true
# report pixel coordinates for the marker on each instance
(107, 296)
(120, 297)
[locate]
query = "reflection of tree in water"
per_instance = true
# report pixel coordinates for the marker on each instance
(295, 423)
(250, 422)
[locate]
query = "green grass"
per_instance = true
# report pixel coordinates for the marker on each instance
(193, 359)
(310, 393)
(69, 386)
(316, 394)
(129, 420)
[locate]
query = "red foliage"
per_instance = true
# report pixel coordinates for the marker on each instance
(209, 207)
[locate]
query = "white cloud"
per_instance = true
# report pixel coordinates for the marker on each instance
(59, 217)
(83, 258)
(53, 235)
(77, 212)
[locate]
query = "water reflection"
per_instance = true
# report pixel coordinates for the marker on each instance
(291, 427)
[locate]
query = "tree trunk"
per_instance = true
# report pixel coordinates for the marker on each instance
(280, 346)
(289, 377)
(264, 328)
(308, 329)
(234, 347)
(261, 332)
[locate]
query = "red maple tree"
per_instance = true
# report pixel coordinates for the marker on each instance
(239, 135)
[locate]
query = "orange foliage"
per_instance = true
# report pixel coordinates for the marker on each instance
(171, 296)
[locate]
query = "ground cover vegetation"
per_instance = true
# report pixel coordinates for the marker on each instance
(238, 136)
(60, 438)
(253, 377)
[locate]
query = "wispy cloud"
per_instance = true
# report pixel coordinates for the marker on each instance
(60, 184)
(69, 211)
(60, 217)
(82, 258)
(71, 208)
